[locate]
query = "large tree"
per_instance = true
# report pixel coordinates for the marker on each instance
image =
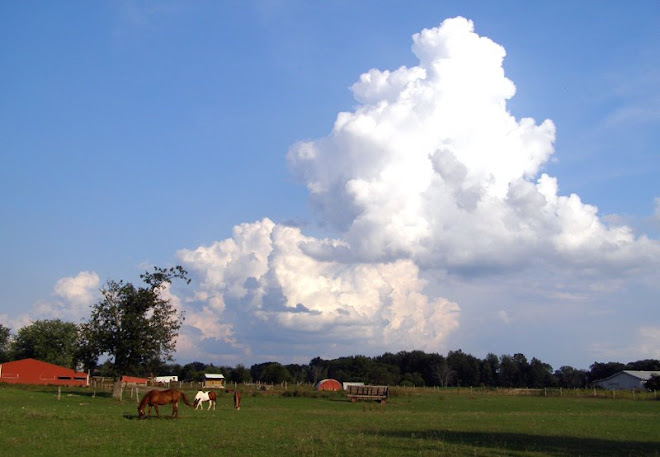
(135, 326)
(5, 339)
(465, 366)
(52, 341)
(570, 377)
(275, 373)
(602, 370)
(653, 383)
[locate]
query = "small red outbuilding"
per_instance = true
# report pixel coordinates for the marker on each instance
(32, 371)
(132, 380)
(328, 384)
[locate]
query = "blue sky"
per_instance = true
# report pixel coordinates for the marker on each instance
(207, 134)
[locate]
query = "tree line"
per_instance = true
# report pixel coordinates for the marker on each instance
(55, 341)
(417, 368)
(135, 329)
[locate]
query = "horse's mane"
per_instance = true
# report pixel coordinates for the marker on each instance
(144, 401)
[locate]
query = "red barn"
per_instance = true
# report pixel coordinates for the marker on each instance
(328, 384)
(31, 371)
(132, 380)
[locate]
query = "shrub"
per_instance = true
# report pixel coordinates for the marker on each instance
(653, 383)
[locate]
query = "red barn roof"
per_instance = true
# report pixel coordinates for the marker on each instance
(31, 371)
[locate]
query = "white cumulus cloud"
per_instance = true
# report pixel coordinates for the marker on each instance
(79, 290)
(261, 282)
(431, 166)
(73, 297)
(649, 337)
(430, 177)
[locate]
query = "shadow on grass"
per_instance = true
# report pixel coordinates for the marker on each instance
(93, 394)
(77, 393)
(559, 446)
(135, 417)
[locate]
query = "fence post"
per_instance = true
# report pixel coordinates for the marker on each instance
(59, 392)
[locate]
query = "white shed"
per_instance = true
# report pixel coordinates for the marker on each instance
(626, 380)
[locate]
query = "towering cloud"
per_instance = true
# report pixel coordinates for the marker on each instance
(431, 166)
(429, 174)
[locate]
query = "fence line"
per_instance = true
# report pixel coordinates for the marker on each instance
(106, 384)
(632, 394)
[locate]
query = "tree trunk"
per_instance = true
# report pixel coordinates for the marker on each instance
(117, 390)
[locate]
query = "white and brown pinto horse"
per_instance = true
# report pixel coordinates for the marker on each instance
(202, 396)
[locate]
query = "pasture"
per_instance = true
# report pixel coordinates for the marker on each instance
(414, 422)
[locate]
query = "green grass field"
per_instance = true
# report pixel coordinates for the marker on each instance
(33, 422)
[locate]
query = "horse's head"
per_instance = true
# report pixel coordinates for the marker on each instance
(140, 412)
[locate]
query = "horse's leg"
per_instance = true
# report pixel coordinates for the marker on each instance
(175, 409)
(156, 408)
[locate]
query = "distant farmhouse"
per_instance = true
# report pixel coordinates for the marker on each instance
(626, 380)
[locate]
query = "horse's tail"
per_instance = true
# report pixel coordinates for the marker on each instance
(185, 400)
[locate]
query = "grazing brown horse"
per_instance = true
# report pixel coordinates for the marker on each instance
(237, 398)
(162, 397)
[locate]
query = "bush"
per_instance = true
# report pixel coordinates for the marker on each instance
(653, 383)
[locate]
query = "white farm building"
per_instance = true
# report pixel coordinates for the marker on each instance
(166, 380)
(626, 380)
